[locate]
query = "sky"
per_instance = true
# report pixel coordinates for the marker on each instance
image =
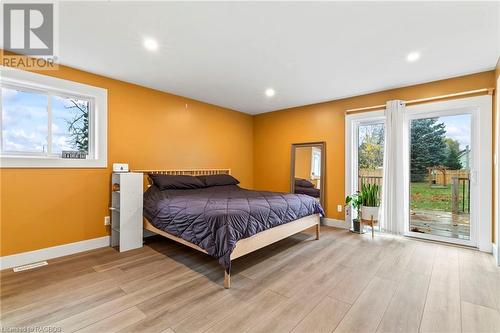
(25, 122)
(458, 128)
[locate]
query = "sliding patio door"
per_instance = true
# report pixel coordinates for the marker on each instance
(447, 163)
(436, 176)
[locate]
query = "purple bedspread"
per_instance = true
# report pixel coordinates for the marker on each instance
(215, 218)
(311, 191)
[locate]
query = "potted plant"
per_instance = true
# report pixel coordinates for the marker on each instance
(370, 201)
(355, 201)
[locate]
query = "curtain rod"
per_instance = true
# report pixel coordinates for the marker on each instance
(427, 99)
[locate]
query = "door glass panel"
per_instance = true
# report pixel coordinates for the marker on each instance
(370, 154)
(440, 161)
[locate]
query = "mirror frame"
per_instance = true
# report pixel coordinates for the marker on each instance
(322, 146)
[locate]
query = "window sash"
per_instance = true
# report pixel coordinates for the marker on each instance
(50, 94)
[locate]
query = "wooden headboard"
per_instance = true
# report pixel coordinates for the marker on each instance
(191, 172)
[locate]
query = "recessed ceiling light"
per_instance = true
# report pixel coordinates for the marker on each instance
(270, 92)
(413, 56)
(150, 44)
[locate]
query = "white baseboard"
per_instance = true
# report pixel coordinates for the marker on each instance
(495, 253)
(334, 223)
(487, 247)
(24, 258)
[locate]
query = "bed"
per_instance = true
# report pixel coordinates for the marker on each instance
(303, 186)
(223, 220)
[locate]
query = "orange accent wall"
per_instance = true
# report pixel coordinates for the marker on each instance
(274, 132)
(147, 129)
(303, 156)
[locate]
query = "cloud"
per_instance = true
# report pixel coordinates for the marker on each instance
(24, 127)
(60, 143)
(19, 140)
(458, 128)
(21, 116)
(459, 133)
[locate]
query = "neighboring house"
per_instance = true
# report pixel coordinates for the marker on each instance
(464, 157)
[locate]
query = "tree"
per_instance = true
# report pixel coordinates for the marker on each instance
(453, 152)
(428, 147)
(371, 149)
(78, 127)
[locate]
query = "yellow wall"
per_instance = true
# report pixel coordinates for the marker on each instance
(303, 162)
(274, 132)
(147, 129)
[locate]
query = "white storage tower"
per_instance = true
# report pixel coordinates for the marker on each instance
(126, 211)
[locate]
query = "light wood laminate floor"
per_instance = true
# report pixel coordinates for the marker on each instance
(341, 283)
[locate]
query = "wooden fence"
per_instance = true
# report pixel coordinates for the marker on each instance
(460, 195)
(458, 179)
(445, 177)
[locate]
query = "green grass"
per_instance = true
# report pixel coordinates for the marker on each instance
(425, 197)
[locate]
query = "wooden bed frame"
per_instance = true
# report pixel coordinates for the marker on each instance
(243, 246)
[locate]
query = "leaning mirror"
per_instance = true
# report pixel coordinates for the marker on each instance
(308, 170)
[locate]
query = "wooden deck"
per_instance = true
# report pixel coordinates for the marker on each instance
(439, 223)
(342, 283)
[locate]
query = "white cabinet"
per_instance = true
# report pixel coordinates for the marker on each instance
(126, 210)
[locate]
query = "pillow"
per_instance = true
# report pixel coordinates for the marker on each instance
(303, 183)
(175, 182)
(218, 180)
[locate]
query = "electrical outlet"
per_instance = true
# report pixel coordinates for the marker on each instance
(339, 208)
(107, 220)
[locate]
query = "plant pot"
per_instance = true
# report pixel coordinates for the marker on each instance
(367, 212)
(356, 225)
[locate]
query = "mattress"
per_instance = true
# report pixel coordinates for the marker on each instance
(217, 217)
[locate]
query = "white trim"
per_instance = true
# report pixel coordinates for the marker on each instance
(334, 223)
(494, 249)
(443, 239)
(98, 98)
(52, 252)
(480, 109)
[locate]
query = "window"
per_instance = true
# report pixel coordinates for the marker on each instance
(49, 122)
(315, 163)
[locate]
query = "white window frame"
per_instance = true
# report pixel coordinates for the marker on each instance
(98, 118)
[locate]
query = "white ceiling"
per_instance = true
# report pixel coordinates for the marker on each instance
(228, 53)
